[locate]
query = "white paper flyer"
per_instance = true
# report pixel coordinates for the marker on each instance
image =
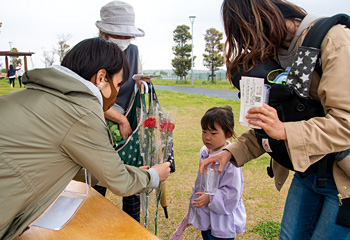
(253, 94)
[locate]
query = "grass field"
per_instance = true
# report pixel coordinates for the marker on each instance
(220, 85)
(264, 204)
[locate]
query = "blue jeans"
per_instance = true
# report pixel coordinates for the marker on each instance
(311, 212)
(207, 236)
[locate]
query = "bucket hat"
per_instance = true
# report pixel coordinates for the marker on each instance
(118, 18)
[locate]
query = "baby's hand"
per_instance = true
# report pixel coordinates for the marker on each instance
(202, 201)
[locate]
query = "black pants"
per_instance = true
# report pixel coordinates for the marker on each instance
(102, 190)
(131, 204)
(12, 81)
(20, 81)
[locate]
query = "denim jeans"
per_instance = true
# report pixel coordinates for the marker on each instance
(311, 212)
(12, 81)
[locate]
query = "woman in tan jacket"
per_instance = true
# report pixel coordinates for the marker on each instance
(257, 30)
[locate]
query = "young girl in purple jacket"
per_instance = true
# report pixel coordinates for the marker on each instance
(222, 215)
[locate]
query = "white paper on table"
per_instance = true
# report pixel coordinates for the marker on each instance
(59, 213)
(252, 95)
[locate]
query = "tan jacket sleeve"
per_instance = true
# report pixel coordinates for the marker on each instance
(308, 141)
(245, 148)
(88, 144)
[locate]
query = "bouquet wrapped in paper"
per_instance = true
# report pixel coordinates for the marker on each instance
(156, 147)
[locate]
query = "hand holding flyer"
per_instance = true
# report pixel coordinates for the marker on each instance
(253, 94)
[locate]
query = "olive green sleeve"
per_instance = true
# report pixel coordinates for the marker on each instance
(88, 144)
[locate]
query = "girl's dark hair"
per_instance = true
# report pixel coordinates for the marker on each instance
(90, 55)
(255, 30)
(11, 66)
(222, 116)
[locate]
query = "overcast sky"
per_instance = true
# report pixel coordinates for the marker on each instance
(34, 25)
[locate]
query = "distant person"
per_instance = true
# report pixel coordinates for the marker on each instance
(11, 75)
(56, 126)
(20, 72)
(117, 25)
(222, 215)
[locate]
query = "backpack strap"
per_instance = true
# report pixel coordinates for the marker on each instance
(322, 173)
(270, 170)
(307, 57)
(319, 29)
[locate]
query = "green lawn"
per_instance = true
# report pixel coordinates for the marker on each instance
(220, 85)
(264, 204)
(6, 88)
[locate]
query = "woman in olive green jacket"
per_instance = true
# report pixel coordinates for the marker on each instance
(56, 126)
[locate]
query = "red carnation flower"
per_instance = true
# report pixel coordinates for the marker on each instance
(167, 127)
(150, 123)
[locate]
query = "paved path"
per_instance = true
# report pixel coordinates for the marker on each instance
(231, 95)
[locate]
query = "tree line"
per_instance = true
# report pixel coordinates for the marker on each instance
(181, 63)
(212, 58)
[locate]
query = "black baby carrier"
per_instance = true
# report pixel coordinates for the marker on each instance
(291, 98)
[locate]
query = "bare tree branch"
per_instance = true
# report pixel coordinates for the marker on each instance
(49, 57)
(63, 46)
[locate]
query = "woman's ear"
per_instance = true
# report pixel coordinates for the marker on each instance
(101, 76)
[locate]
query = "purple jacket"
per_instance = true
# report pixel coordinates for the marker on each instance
(225, 215)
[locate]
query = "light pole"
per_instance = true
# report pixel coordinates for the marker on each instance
(192, 20)
(11, 59)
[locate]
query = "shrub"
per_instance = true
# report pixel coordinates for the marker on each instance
(267, 229)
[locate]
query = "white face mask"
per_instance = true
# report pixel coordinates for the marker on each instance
(122, 43)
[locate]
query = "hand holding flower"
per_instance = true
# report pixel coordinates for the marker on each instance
(163, 170)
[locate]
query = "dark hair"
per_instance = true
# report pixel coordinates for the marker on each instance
(255, 29)
(90, 55)
(11, 66)
(222, 116)
(103, 35)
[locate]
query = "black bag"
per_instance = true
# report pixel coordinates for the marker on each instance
(290, 107)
